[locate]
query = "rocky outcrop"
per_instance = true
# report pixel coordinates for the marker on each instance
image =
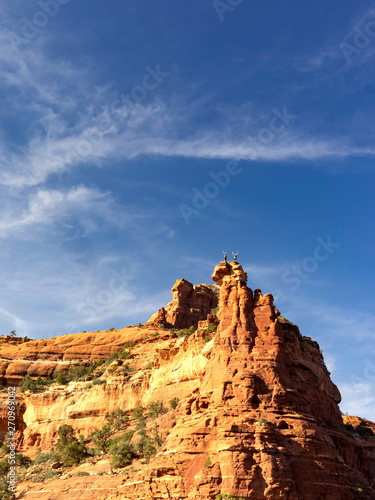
(264, 422)
(41, 357)
(257, 417)
(190, 305)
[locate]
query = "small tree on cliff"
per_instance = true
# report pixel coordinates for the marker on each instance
(101, 437)
(70, 449)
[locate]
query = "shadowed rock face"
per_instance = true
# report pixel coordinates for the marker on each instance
(190, 305)
(265, 414)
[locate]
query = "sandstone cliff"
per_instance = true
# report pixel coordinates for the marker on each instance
(257, 418)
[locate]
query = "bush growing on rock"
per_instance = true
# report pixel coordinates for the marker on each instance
(148, 445)
(23, 460)
(211, 328)
(33, 385)
(71, 450)
(101, 437)
(42, 458)
(98, 381)
(122, 451)
(173, 403)
(155, 409)
(4, 467)
(117, 418)
(138, 412)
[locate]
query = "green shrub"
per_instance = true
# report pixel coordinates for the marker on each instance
(50, 474)
(101, 437)
(128, 345)
(215, 311)
(98, 381)
(173, 403)
(141, 423)
(74, 453)
(155, 409)
(42, 458)
(111, 329)
(82, 473)
(61, 377)
(5, 494)
(23, 460)
(71, 450)
(263, 422)
(148, 445)
(37, 479)
(117, 418)
(207, 462)
(207, 338)
(4, 467)
(149, 448)
(140, 446)
(32, 385)
(121, 450)
(211, 328)
(138, 412)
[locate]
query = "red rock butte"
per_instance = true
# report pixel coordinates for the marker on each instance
(264, 422)
(258, 416)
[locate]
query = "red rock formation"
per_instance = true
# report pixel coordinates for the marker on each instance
(264, 422)
(258, 415)
(41, 357)
(190, 305)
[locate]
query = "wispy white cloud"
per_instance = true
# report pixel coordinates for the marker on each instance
(49, 207)
(358, 399)
(74, 123)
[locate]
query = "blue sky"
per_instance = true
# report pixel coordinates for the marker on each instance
(140, 139)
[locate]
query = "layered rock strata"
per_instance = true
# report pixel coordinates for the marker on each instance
(264, 422)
